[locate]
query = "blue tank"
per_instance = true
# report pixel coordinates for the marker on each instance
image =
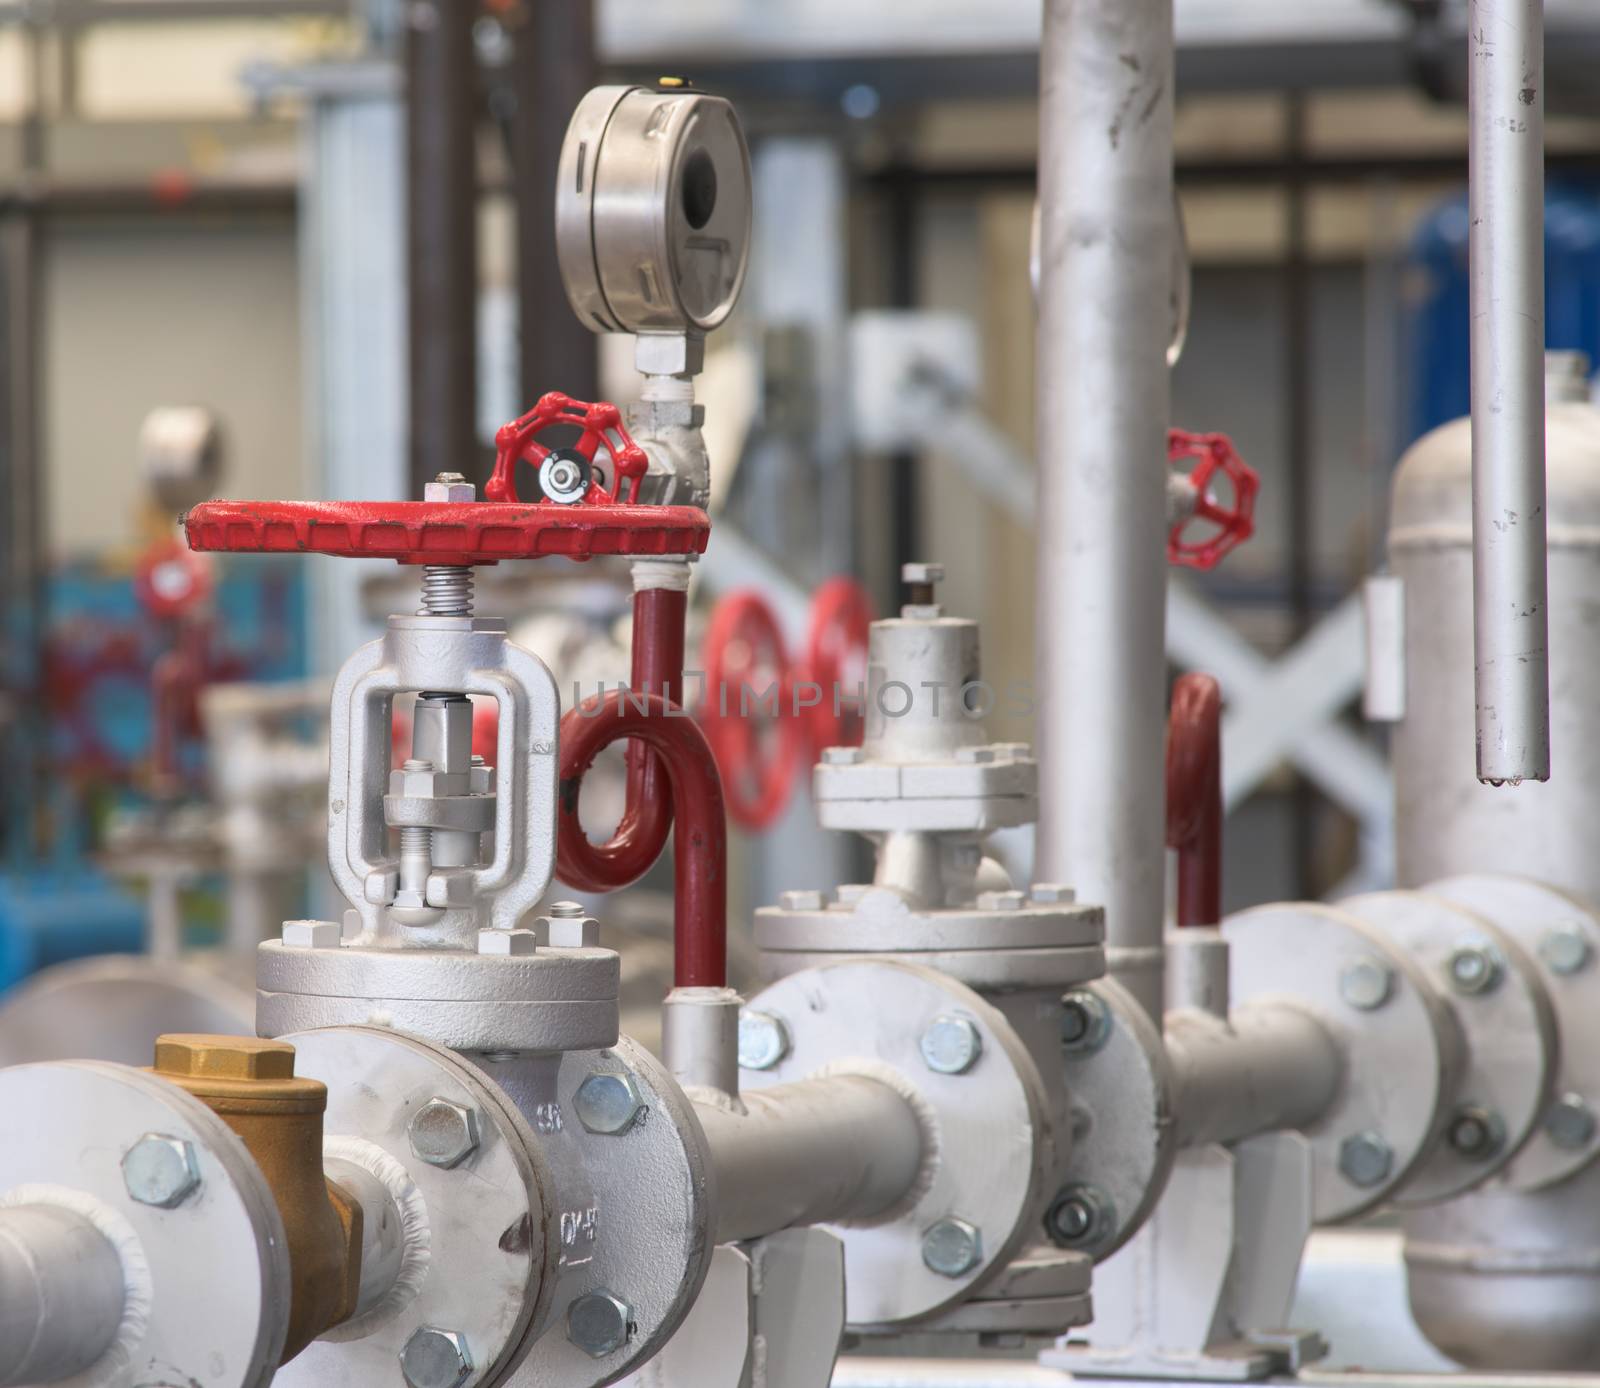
(1435, 296)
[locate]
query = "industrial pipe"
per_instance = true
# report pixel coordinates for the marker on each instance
(1266, 1068)
(61, 1294)
(819, 1151)
(1194, 797)
(641, 833)
(1105, 319)
(1505, 179)
(700, 846)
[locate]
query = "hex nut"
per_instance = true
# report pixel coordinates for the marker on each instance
(1081, 1216)
(312, 934)
(1569, 1122)
(443, 1133)
(922, 573)
(1564, 949)
(952, 1247)
(1476, 1133)
(449, 486)
(161, 1170)
(1002, 901)
(427, 784)
(493, 941)
(1365, 1159)
(840, 756)
(1366, 983)
(436, 1358)
(1474, 968)
(1053, 894)
(598, 1323)
(1086, 1022)
(571, 932)
(607, 1103)
(950, 1045)
(801, 901)
(763, 1040)
(975, 755)
(381, 885)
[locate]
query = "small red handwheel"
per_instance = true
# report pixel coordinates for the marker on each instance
(1232, 522)
(757, 740)
(171, 579)
(836, 660)
(568, 476)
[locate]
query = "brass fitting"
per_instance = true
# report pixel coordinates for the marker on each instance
(251, 1085)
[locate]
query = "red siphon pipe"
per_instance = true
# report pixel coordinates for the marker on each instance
(1194, 797)
(700, 846)
(641, 833)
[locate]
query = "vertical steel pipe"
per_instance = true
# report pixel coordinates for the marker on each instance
(442, 239)
(1505, 84)
(1105, 317)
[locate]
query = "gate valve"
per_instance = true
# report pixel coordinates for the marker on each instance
(1234, 522)
(567, 476)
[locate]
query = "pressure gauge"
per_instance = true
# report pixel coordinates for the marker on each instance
(653, 210)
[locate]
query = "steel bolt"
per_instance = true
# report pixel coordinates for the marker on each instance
(1476, 1133)
(840, 756)
(1081, 1216)
(1474, 967)
(435, 1358)
(951, 1045)
(1366, 983)
(802, 901)
(763, 1040)
(598, 1323)
(1001, 901)
(1053, 893)
(607, 1102)
(160, 1170)
(1569, 1122)
(1085, 1022)
(1564, 949)
(443, 1133)
(922, 573)
(449, 486)
(567, 910)
(952, 1247)
(1365, 1159)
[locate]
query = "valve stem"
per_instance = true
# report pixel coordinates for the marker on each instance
(446, 590)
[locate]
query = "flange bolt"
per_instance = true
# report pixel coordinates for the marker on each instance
(435, 1358)
(763, 1040)
(1085, 1022)
(1365, 1159)
(160, 1170)
(952, 1247)
(597, 1323)
(1081, 1216)
(951, 1045)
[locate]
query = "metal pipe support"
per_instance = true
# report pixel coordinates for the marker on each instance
(61, 1294)
(1268, 1067)
(1505, 86)
(815, 1152)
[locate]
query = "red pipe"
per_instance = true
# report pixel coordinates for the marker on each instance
(641, 834)
(700, 847)
(1194, 797)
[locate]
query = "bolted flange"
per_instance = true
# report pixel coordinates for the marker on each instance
(1080, 1217)
(1475, 967)
(1569, 1122)
(951, 1045)
(1366, 983)
(1476, 1133)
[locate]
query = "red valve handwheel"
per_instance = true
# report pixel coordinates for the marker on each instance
(474, 532)
(171, 580)
(1235, 523)
(744, 657)
(601, 425)
(836, 659)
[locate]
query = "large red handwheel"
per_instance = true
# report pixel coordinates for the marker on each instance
(1233, 522)
(744, 659)
(836, 659)
(567, 476)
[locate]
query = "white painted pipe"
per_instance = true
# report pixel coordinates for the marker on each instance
(814, 1152)
(61, 1294)
(1505, 98)
(1105, 318)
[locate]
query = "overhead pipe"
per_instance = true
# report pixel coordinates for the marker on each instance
(1505, 179)
(1105, 317)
